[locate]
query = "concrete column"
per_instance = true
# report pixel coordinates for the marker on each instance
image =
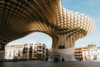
(71, 42)
(55, 40)
(68, 41)
(63, 40)
(67, 52)
(58, 42)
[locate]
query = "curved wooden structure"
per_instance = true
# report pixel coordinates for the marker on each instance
(19, 18)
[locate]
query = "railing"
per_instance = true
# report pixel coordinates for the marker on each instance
(78, 51)
(39, 49)
(78, 57)
(77, 54)
(40, 52)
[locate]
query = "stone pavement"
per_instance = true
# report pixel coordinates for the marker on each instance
(35, 63)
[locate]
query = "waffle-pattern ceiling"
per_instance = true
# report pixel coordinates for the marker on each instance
(19, 18)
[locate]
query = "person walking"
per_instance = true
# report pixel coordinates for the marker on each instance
(57, 60)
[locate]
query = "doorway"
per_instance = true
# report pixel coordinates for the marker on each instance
(57, 56)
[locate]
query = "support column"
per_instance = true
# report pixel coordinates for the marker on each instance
(66, 50)
(55, 40)
(63, 40)
(71, 41)
(68, 41)
(67, 54)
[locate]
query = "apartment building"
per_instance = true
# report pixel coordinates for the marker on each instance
(47, 53)
(26, 51)
(78, 54)
(13, 51)
(41, 52)
(89, 52)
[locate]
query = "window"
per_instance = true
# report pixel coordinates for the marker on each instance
(35, 55)
(25, 55)
(18, 54)
(30, 48)
(25, 51)
(34, 51)
(26, 48)
(43, 47)
(26, 44)
(39, 56)
(43, 56)
(30, 51)
(30, 55)
(43, 52)
(61, 47)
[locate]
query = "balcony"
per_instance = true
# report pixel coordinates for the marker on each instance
(39, 49)
(77, 51)
(78, 57)
(40, 52)
(78, 54)
(35, 52)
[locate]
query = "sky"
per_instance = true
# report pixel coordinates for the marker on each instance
(87, 7)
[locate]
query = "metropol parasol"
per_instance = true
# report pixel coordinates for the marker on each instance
(19, 18)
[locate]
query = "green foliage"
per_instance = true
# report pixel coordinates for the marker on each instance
(43, 44)
(89, 45)
(85, 47)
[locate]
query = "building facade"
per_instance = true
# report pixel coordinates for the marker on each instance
(90, 52)
(12, 51)
(26, 51)
(41, 52)
(78, 54)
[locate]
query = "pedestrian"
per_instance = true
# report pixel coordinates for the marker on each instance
(57, 60)
(62, 59)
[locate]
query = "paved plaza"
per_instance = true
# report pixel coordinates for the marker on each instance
(34, 63)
